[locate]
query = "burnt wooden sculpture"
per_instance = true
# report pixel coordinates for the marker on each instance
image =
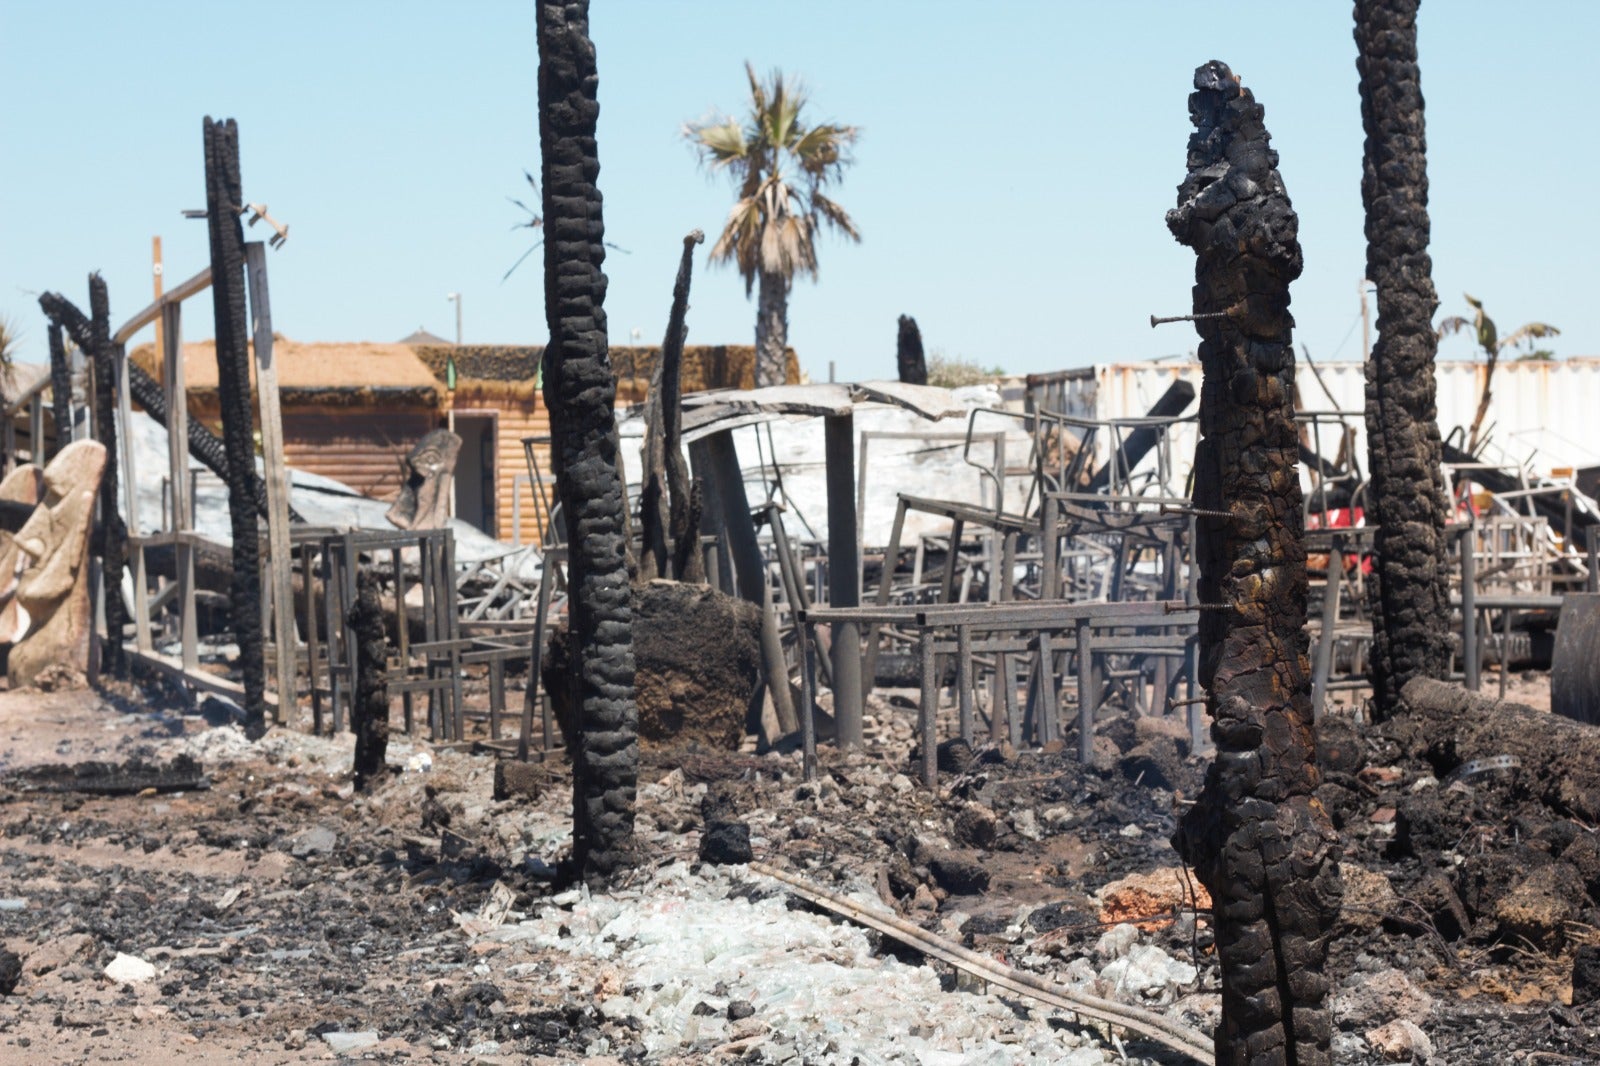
(430, 468)
(670, 504)
(1410, 579)
(579, 392)
(1258, 840)
(224, 200)
(52, 594)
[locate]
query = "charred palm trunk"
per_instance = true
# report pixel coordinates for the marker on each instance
(369, 716)
(668, 505)
(913, 366)
(772, 329)
(579, 392)
(1258, 839)
(1410, 581)
(223, 199)
(60, 388)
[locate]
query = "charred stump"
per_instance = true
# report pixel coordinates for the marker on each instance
(669, 506)
(579, 393)
(908, 355)
(60, 388)
(369, 716)
(1259, 842)
(1410, 579)
(223, 200)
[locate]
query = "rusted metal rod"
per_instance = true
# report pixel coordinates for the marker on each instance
(1236, 309)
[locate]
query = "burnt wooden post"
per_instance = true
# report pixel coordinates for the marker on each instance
(580, 394)
(669, 507)
(1411, 572)
(60, 389)
(92, 334)
(369, 711)
(750, 570)
(1257, 837)
(224, 200)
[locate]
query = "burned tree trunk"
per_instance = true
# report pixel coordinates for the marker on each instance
(1258, 840)
(1410, 581)
(668, 505)
(92, 334)
(60, 388)
(579, 392)
(223, 200)
(369, 716)
(908, 353)
(112, 540)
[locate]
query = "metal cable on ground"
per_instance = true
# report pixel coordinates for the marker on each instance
(1146, 1023)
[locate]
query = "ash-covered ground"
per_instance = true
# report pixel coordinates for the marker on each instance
(278, 917)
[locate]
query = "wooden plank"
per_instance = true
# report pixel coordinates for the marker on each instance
(194, 678)
(277, 474)
(197, 284)
(178, 479)
(130, 496)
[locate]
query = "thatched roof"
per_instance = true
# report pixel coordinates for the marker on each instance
(352, 374)
(705, 366)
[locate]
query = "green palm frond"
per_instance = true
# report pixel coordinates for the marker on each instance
(780, 166)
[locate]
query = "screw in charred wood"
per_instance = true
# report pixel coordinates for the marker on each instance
(1198, 512)
(1231, 312)
(1179, 608)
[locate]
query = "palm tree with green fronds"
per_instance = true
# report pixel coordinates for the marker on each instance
(781, 166)
(1489, 339)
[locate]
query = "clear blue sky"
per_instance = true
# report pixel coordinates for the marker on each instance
(1015, 163)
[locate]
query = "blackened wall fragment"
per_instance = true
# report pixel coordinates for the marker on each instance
(1410, 581)
(1257, 838)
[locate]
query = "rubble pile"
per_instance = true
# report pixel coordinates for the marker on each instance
(286, 917)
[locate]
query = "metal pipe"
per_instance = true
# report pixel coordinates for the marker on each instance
(927, 711)
(1471, 666)
(844, 576)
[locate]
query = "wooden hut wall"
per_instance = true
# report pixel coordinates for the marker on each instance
(363, 449)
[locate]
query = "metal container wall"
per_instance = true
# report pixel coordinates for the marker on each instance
(1541, 415)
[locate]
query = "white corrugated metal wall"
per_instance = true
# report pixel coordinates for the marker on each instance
(1542, 414)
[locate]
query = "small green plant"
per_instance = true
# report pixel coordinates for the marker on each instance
(953, 371)
(1489, 339)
